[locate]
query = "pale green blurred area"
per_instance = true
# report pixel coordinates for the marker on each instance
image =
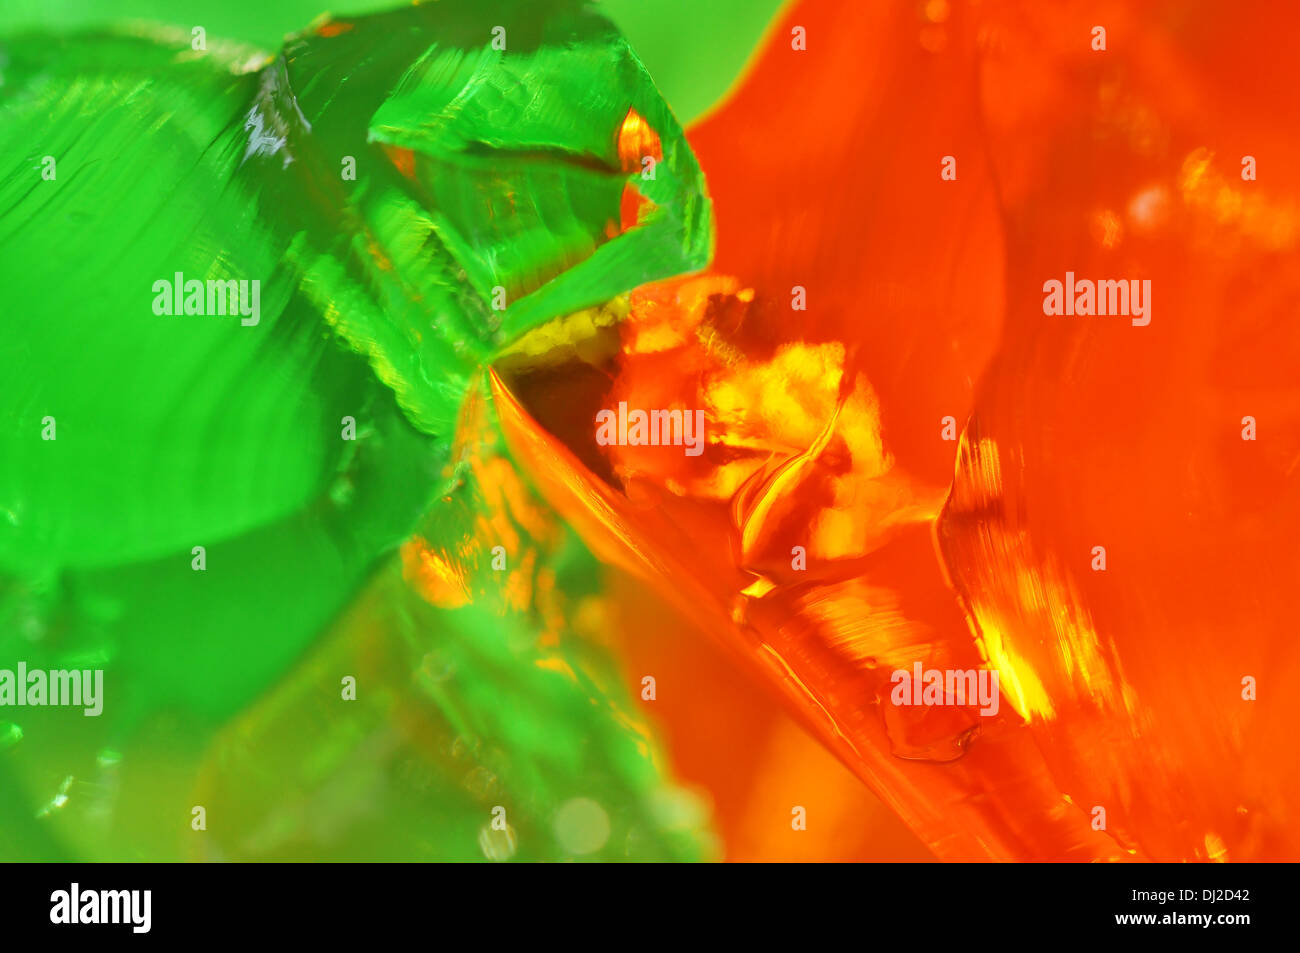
(694, 49)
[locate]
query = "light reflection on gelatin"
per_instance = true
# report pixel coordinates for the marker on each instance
(581, 826)
(498, 844)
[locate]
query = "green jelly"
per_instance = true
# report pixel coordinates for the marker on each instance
(222, 266)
